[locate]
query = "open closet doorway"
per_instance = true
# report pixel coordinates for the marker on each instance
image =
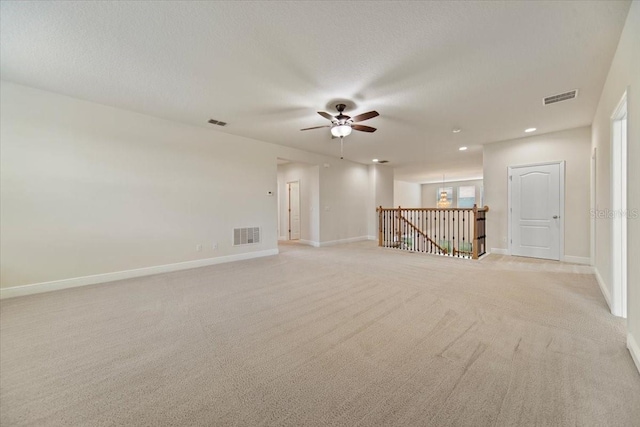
(293, 210)
(619, 207)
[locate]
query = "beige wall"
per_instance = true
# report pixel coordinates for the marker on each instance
(407, 194)
(430, 191)
(572, 146)
(308, 177)
(623, 75)
(380, 194)
(343, 201)
(88, 189)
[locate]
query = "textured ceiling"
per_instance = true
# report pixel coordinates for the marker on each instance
(267, 67)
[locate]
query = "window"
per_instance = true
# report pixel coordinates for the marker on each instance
(466, 196)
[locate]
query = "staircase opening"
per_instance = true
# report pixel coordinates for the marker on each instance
(455, 232)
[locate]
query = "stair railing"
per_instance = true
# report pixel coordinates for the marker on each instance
(457, 232)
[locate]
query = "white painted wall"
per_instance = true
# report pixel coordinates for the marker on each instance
(407, 194)
(344, 189)
(430, 192)
(380, 194)
(573, 146)
(624, 74)
(308, 176)
(88, 189)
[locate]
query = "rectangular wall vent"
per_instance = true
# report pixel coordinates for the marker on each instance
(246, 236)
(560, 97)
(217, 122)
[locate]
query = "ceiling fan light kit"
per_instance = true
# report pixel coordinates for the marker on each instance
(340, 131)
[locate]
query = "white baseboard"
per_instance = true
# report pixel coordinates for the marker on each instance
(282, 238)
(309, 243)
(499, 251)
(603, 287)
(634, 349)
(577, 259)
(36, 288)
(372, 238)
(341, 241)
(567, 258)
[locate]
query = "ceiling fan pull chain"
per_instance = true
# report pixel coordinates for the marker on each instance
(341, 147)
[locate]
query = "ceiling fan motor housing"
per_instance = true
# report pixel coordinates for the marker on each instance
(342, 118)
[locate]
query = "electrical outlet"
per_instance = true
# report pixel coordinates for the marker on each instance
(198, 248)
(214, 246)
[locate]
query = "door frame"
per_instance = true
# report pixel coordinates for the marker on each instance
(509, 216)
(619, 182)
(594, 205)
(288, 189)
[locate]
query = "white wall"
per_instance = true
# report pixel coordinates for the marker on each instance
(380, 194)
(308, 176)
(430, 192)
(88, 189)
(624, 74)
(344, 189)
(572, 146)
(407, 194)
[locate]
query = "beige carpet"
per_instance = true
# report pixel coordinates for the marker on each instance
(346, 335)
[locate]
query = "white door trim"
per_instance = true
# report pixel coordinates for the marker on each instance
(594, 206)
(509, 219)
(619, 260)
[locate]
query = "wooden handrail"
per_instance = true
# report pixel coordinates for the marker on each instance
(484, 209)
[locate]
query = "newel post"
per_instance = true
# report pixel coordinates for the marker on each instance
(380, 225)
(399, 227)
(474, 253)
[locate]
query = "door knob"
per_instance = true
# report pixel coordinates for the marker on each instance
(556, 217)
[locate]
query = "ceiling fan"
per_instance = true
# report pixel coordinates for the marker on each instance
(341, 124)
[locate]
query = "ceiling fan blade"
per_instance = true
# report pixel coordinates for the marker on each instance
(363, 128)
(317, 127)
(364, 116)
(326, 115)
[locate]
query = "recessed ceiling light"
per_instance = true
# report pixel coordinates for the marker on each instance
(530, 130)
(462, 148)
(456, 130)
(375, 160)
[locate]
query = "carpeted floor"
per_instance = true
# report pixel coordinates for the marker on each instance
(345, 335)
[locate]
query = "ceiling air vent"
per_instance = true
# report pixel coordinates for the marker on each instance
(560, 97)
(217, 122)
(246, 236)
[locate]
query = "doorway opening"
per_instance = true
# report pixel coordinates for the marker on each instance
(298, 202)
(293, 210)
(619, 207)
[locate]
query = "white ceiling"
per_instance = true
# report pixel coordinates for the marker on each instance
(267, 67)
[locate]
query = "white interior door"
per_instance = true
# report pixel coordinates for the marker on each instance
(293, 190)
(536, 194)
